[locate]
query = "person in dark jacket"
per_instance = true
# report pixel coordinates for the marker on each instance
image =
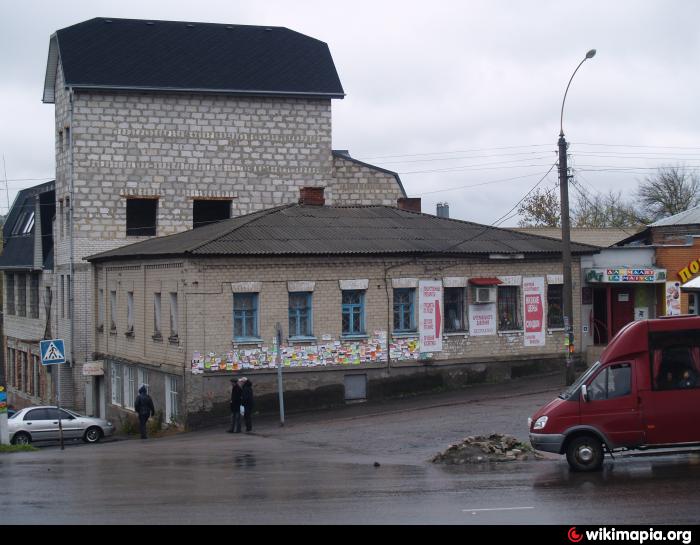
(144, 408)
(247, 402)
(236, 394)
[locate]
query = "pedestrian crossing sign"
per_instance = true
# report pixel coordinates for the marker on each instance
(52, 352)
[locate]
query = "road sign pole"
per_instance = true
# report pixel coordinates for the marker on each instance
(58, 404)
(53, 353)
(278, 358)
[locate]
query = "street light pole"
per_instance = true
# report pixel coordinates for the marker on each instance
(566, 236)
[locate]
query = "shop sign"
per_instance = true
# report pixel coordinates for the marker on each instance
(482, 320)
(93, 369)
(693, 268)
(533, 295)
(624, 274)
(430, 315)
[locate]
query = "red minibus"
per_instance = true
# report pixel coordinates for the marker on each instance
(643, 393)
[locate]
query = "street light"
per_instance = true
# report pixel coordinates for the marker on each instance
(566, 234)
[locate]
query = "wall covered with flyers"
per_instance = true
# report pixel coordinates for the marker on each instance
(327, 353)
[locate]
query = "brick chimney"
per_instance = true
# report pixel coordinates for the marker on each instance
(312, 196)
(409, 203)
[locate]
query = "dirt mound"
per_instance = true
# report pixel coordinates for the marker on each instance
(482, 449)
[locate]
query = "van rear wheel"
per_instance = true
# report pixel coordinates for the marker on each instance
(585, 453)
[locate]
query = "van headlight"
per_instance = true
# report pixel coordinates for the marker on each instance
(541, 423)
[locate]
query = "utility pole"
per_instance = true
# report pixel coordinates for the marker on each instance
(566, 237)
(566, 260)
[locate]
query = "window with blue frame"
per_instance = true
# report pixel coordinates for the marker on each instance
(300, 317)
(245, 315)
(404, 319)
(353, 312)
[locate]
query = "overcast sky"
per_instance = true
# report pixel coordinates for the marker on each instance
(462, 98)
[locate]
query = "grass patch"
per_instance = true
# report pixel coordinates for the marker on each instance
(17, 448)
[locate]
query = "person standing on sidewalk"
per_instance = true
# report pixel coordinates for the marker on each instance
(144, 408)
(236, 395)
(248, 403)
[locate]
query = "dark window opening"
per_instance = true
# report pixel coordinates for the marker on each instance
(205, 212)
(141, 217)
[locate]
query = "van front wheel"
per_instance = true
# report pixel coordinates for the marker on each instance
(585, 453)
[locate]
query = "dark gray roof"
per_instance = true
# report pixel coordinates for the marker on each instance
(333, 230)
(140, 55)
(18, 247)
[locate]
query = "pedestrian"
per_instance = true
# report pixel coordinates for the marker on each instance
(236, 394)
(247, 402)
(144, 408)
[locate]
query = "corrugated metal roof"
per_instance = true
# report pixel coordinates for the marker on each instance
(603, 237)
(317, 230)
(688, 217)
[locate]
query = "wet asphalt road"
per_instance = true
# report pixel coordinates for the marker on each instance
(320, 468)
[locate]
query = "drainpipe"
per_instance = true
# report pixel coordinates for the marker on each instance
(71, 236)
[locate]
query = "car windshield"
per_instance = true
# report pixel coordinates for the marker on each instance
(576, 385)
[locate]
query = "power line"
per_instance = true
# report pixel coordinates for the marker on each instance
(490, 182)
(500, 220)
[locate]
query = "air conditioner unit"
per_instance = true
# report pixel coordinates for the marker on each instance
(484, 294)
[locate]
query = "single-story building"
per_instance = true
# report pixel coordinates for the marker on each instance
(370, 301)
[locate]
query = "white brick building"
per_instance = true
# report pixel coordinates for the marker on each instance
(162, 126)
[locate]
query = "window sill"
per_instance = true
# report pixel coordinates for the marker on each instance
(157, 338)
(302, 339)
(555, 329)
(464, 334)
(246, 340)
(129, 334)
(175, 339)
(113, 332)
(511, 332)
(404, 334)
(357, 336)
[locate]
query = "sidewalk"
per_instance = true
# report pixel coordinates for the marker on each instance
(553, 384)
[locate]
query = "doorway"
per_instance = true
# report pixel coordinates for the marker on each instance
(622, 307)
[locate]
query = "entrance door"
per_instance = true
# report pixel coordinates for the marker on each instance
(622, 307)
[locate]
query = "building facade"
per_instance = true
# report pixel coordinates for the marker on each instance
(343, 284)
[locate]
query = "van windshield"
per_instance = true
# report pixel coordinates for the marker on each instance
(571, 390)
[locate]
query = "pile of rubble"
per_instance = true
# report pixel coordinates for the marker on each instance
(482, 449)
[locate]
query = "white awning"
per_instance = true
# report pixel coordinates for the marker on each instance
(692, 285)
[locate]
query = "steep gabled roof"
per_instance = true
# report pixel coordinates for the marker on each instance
(297, 229)
(140, 55)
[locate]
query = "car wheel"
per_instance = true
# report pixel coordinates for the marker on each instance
(92, 435)
(585, 453)
(21, 438)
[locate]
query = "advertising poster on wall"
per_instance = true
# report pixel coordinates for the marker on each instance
(533, 299)
(482, 320)
(673, 298)
(430, 315)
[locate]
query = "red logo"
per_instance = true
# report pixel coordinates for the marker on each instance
(574, 536)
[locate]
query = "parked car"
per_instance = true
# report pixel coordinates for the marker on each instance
(41, 424)
(644, 393)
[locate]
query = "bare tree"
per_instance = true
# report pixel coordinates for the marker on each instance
(670, 191)
(541, 209)
(603, 210)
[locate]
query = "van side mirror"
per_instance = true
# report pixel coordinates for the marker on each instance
(584, 393)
